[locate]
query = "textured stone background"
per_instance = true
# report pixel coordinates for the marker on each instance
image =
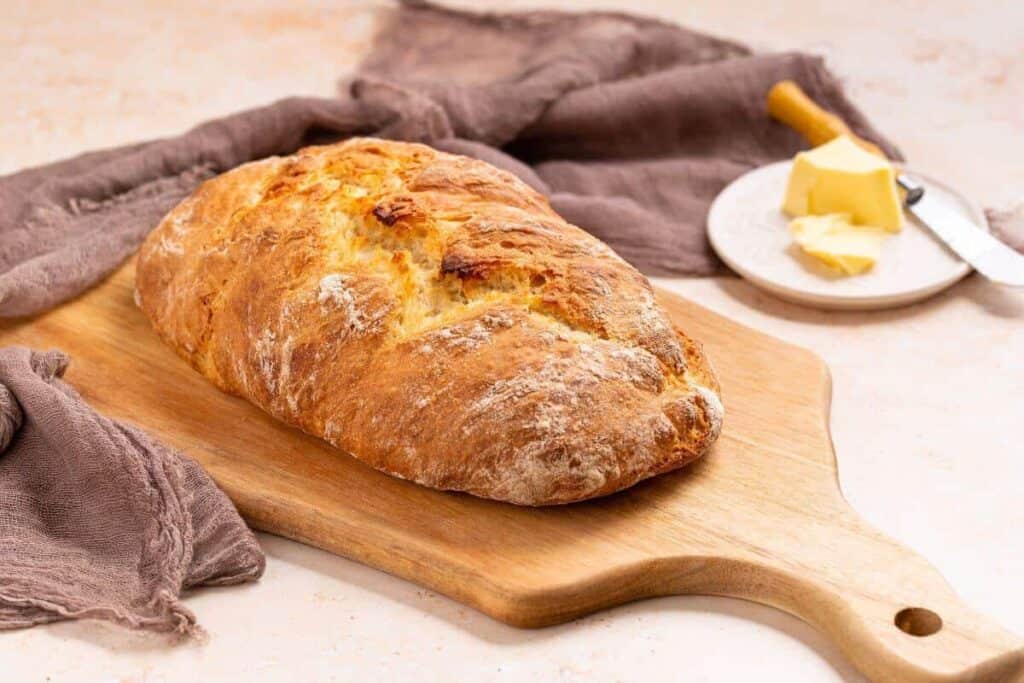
(928, 399)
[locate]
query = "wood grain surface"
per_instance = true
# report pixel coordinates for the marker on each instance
(760, 518)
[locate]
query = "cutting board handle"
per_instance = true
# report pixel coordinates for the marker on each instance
(890, 612)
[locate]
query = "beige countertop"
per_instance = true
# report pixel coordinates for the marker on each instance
(928, 411)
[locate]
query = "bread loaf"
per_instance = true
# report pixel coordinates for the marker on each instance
(433, 317)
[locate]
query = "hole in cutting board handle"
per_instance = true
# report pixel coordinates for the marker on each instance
(918, 621)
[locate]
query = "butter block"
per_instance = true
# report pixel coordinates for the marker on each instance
(841, 177)
(835, 241)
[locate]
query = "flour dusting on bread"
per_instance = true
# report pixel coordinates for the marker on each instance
(333, 291)
(432, 316)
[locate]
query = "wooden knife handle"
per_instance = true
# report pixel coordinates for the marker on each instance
(788, 103)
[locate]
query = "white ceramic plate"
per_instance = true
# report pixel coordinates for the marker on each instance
(750, 233)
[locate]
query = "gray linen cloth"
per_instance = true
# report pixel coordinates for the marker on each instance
(629, 125)
(98, 520)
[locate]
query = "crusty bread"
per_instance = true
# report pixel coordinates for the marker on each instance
(432, 316)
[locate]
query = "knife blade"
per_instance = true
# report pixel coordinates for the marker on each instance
(990, 257)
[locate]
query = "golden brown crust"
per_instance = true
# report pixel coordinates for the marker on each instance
(432, 316)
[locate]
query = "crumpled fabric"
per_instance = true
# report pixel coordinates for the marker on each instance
(629, 125)
(98, 520)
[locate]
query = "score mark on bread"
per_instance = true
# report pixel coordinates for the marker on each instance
(432, 316)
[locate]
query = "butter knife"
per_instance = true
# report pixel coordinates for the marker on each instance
(985, 253)
(788, 103)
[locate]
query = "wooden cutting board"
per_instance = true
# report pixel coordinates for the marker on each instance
(761, 517)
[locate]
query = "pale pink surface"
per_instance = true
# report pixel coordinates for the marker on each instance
(928, 400)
